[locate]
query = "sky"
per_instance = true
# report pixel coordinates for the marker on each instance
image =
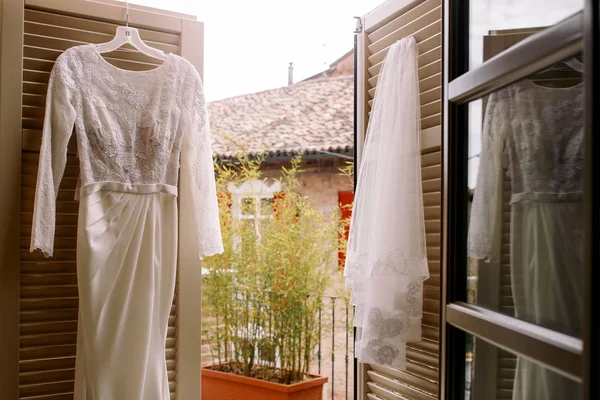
(249, 44)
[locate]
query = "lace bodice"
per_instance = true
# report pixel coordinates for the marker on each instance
(535, 134)
(129, 124)
(132, 127)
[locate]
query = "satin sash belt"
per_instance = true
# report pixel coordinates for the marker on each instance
(141, 188)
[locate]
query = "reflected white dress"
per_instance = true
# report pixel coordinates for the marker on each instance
(386, 261)
(136, 131)
(535, 134)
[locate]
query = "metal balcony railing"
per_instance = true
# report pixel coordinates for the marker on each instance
(334, 352)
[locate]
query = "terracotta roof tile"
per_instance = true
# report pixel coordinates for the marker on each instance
(305, 118)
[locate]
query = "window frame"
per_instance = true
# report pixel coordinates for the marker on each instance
(256, 190)
(577, 358)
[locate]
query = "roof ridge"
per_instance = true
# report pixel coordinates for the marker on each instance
(307, 117)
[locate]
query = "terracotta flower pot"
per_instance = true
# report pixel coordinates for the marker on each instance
(217, 385)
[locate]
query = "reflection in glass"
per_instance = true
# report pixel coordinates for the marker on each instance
(474, 153)
(526, 219)
(493, 374)
(496, 26)
(490, 18)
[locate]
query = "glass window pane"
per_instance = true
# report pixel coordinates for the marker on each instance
(526, 216)
(493, 374)
(266, 207)
(248, 206)
(490, 20)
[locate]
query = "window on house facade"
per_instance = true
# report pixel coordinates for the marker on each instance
(252, 201)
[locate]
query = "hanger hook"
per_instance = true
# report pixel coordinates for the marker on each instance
(127, 13)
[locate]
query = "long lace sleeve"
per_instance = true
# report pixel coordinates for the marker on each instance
(199, 213)
(486, 212)
(57, 129)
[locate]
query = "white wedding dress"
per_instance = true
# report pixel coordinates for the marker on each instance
(133, 129)
(535, 134)
(386, 261)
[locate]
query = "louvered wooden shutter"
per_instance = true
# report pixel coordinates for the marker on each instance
(48, 287)
(392, 21)
(506, 364)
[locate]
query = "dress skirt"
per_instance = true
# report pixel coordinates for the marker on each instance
(547, 284)
(126, 268)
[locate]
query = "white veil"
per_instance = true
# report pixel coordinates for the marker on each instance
(386, 260)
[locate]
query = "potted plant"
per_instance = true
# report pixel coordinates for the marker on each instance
(263, 294)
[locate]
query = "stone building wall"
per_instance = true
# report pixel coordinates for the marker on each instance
(321, 180)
